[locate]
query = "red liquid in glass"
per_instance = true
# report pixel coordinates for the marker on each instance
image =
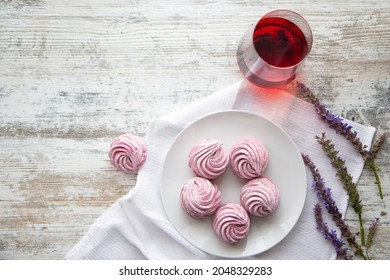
(279, 42)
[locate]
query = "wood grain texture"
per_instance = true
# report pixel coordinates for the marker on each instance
(76, 74)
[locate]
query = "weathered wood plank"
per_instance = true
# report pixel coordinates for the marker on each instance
(51, 192)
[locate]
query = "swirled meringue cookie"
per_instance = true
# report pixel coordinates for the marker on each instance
(208, 158)
(128, 153)
(200, 197)
(231, 222)
(260, 197)
(249, 158)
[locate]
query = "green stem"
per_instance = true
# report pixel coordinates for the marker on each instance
(362, 234)
(361, 253)
(374, 169)
(359, 249)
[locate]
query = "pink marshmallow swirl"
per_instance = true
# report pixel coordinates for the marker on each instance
(249, 158)
(128, 153)
(199, 197)
(231, 222)
(208, 159)
(260, 197)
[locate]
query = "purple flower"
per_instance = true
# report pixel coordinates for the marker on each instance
(372, 232)
(325, 195)
(330, 235)
(334, 121)
(345, 130)
(342, 173)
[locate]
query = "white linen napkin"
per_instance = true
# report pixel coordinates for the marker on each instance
(136, 226)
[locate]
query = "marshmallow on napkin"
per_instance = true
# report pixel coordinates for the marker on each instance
(136, 226)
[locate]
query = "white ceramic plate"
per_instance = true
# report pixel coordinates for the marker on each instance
(286, 169)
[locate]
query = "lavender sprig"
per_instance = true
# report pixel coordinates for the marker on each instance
(330, 235)
(371, 163)
(333, 120)
(372, 232)
(377, 145)
(326, 196)
(344, 129)
(345, 177)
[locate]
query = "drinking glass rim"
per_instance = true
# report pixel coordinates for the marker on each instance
(305, 22)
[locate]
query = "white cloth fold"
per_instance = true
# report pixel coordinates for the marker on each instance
(136, 226)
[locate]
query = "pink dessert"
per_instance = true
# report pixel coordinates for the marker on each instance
(260, 197)
(249, 158)
(231, 222)
(200, 197)
(208, 159)
(128, 153)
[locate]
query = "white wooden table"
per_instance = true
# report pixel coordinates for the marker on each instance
(76, 74)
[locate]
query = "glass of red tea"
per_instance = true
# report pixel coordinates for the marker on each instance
(272, 51)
